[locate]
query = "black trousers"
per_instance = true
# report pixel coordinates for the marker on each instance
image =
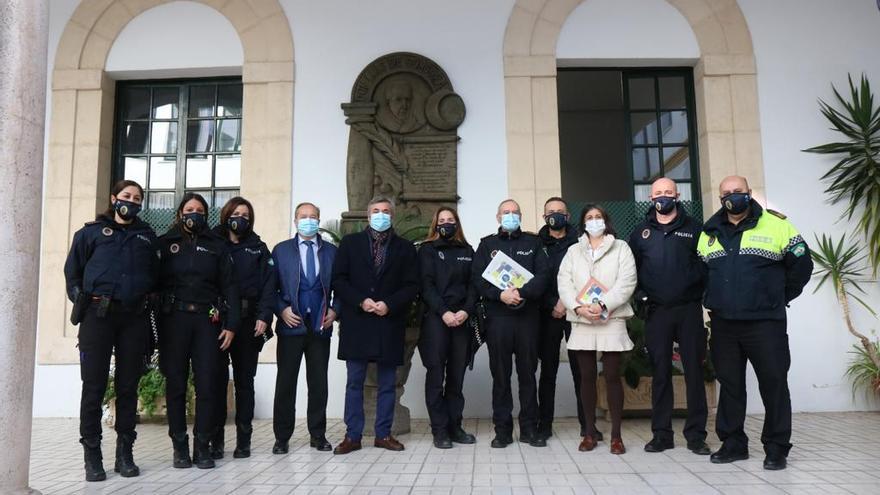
(184, 339)
(506, 337)
(551, 333)
(124, 334)
(444, 353)
(243, 353)
(682, 324)
(290, 353)
(764, 343)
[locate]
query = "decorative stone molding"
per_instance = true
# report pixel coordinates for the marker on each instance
(725, 85)
(81, 129)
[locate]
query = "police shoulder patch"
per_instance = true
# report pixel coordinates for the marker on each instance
(776, 214)
(174, 248)
(107, 231)
(646, 233)
(799, 250)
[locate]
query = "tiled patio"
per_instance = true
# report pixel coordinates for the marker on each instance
(834, 453)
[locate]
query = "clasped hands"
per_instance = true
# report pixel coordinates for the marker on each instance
(377, 308)
(592, 312)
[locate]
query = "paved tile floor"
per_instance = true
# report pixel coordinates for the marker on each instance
(834, 453)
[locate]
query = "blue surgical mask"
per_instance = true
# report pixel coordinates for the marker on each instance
(380, 222)
(737, 202)
(595, 227)
(307, 227)
(510, 222)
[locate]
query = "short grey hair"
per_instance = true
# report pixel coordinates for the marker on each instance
(509, 200)
(380, 199)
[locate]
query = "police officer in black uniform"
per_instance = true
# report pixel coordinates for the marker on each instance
(512, 325)
(255, 275)
(110, 271)
(197, 279)
(557, 235)
(444, 342)
(670, 288)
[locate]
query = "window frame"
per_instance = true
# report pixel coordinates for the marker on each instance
(184, 85)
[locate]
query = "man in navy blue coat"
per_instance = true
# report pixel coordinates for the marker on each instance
(376, 278)
(306, 311)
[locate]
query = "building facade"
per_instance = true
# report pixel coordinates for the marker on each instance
(586, 98)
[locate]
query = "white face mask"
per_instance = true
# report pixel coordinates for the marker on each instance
(595, 227)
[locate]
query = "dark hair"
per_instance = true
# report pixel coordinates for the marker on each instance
(116, 189)
(186, 199)
(556, 198)
(433, 235)
(609, 226)
(230, 207)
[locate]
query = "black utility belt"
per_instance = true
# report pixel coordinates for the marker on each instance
(192, 307)
(104, 305)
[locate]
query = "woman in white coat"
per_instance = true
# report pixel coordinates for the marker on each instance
(605, 267)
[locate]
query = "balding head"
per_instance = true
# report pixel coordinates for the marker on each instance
(733, 184)
(508, 206)
(664, 187)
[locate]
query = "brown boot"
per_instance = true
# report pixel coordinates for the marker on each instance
(388, 443)
(617, 447)
(587, 444)
(347, 446)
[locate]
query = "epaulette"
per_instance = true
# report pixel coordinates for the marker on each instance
(93, 222)
(528, 232)
(488, 236)
(776, 214)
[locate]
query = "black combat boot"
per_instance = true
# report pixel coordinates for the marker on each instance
(242, 440)
(125, 465)
(202, 453)
(217, 442)
(92, 455)
(180, 441)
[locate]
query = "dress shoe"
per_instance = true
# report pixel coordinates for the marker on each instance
(388, 443)
(588, 443)
(442, 441)
(699, 447)
(321, 444)
(280, 447)
(533, 438)
(458, 435)
(659, 445)
(617, 447)
(347, 446)
(727, 455)
(775, 462)
(501, 441)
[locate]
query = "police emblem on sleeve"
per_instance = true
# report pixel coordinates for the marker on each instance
(646, 233)
(107, 231)
(711, 240)
(799, 250)
(174, 248)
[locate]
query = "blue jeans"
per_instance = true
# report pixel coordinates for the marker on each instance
(354, 399)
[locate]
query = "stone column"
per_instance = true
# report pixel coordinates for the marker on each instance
(23, 43)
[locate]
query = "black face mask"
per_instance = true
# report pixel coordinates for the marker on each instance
(664, 204)
(446, 230)
(238, 225)
(557, 221)
(736, 203)
(126, 210)
(195, 222)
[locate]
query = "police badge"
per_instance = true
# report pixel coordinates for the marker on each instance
(646, 233)
(107, 231)
(174, 248)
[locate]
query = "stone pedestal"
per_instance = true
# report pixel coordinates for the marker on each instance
(23, 42)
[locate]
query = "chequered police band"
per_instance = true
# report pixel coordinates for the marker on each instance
(770, 255)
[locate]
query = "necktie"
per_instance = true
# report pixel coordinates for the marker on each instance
(310, 262)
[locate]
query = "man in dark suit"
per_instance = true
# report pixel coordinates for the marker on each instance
(306, 312)
(376, 279)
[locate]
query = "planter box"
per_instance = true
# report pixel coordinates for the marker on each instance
(637, 401)
(160, 414)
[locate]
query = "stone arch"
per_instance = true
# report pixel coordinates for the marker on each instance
(725, 85)
(81, 128)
